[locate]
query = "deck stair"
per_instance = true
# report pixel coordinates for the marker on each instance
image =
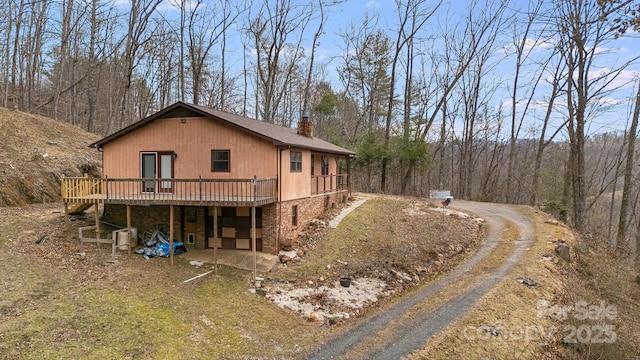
(79, 208)
(80, 189)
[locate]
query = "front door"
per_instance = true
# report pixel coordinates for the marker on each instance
(156, 165)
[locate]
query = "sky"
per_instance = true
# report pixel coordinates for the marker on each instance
(340, 16)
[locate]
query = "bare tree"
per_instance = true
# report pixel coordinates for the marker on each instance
(463, 50)
(630, 141)
(137, 34)
(15, 59)
(277, 32)
(6, 27)
(314, 45)
(544, 139)
(205, 31)
(412, 15)
(583, 28)
(364, 62)
(523, 48)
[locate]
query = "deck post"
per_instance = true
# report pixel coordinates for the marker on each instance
(97, 218)
(253, 225)
(215, 238)
(63, 193)
(171, 234)
(349, 177)
(129, 226)
(253, 240)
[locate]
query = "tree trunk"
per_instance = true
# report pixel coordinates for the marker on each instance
(628, 172)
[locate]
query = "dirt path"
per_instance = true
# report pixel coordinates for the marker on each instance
(405, 326)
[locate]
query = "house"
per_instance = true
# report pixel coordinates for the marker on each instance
(216, 179)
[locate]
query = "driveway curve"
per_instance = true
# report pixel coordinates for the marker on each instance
(405, 326)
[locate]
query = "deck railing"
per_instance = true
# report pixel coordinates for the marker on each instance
(153, 191)
(321, 184)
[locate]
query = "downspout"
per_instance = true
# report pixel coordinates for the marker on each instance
(279, 172)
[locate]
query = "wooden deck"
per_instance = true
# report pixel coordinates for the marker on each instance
(322, 184)
(170, 199)
(188, 192)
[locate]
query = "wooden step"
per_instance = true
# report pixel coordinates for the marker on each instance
(79, 208)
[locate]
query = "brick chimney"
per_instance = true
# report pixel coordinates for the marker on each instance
(305, 126)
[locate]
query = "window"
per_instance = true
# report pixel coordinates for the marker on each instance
(325, 164)
(191, 238)
(220, 160)
(294, 215)
(296, 161)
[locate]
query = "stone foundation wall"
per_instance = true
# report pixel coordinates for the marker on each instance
(308, 209)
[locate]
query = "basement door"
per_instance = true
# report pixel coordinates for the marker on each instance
(156, 165)
(234, 228)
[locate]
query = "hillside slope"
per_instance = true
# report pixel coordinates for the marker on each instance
(35, 152)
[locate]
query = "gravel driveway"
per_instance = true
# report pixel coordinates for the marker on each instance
(406, 325)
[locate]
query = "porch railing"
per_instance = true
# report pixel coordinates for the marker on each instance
(152, 191)
(321, 184)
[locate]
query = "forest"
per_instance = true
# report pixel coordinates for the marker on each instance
(526, 102)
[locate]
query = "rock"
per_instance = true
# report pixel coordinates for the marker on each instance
(318, 223)
(286, 244)
(288, 256)
(261, 292)
(527, 281)
(563, 251)
(546, 257)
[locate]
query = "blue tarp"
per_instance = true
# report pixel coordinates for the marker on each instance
(157, 245)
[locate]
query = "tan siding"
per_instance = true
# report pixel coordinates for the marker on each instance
(296, 185)
(193, 141)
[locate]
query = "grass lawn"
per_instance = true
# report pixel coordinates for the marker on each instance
(58, 303)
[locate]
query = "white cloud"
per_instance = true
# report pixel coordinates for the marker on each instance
(530, 46)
